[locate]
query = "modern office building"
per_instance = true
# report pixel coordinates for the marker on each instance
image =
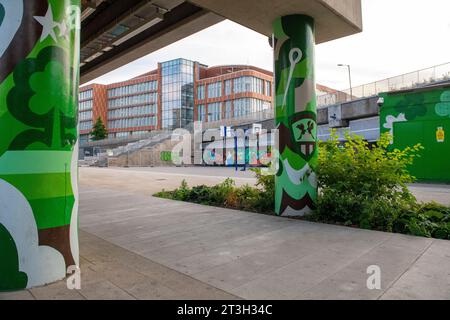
(175, 95)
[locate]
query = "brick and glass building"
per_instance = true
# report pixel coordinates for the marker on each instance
(175, 95)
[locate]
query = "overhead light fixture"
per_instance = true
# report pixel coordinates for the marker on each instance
(86, 13)
(158, 18)
(91, 6)
(94, 56)
(106, 49)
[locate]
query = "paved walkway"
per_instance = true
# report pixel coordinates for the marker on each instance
(151, 180)
(134, 246)
(111, 272)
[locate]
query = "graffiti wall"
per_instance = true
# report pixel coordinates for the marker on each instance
(421, 116)
(39, 59)
(295, 115)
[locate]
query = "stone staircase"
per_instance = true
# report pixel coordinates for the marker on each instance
(102, 159)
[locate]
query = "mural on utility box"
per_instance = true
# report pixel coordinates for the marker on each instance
(39, 62)
(421, 116)
(295, 115)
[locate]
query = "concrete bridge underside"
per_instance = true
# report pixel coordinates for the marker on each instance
(152, 25)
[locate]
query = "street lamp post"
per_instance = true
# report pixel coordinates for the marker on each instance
(349, 78)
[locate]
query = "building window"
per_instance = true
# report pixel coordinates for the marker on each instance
(84, 138)
(201, 92)
(133, 111)
(248, 84)
(85, 125)
(227, 87)
(214, 111)
(85, 105)
(133, 89)
(87, 115)
(149, 98)
(268, 88)
(85, 95)
(215, 90)
(245, 106)
(228, 110)
(133, 122)
(201, 112)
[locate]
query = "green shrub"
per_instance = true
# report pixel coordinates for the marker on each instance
(266, 183)
(364, 185)
(429, 220)
(182, 193)
(357, 168)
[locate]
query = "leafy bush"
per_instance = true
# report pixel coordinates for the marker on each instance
(359, 169)
(429, 220)
(226, 194)
(266, 201)
(364, 185)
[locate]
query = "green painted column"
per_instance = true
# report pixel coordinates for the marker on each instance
(39, 63)
(295, 115)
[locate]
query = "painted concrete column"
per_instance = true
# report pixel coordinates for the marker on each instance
(295, 115)
(39, 62)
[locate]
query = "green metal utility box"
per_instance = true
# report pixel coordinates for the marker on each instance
(421, 116)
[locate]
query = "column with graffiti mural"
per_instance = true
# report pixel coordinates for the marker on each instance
(39, 62)
(295, 115)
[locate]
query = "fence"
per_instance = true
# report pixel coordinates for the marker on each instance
(405, 81)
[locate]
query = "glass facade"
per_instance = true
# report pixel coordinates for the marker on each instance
(177, 93)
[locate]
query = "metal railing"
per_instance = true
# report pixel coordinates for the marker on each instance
(254, 117)
(121, 140)
(405, 81)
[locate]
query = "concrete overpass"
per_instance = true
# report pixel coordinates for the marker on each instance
(117, 32)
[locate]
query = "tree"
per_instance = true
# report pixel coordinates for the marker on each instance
(41, 104)
(99, 131)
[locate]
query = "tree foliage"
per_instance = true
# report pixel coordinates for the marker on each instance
(99, 131)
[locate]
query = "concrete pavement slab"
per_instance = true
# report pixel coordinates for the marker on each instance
(135, 246)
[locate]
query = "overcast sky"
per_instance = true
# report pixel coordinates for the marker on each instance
(399, 36)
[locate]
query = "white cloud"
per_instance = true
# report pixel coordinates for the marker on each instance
(42, 264)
